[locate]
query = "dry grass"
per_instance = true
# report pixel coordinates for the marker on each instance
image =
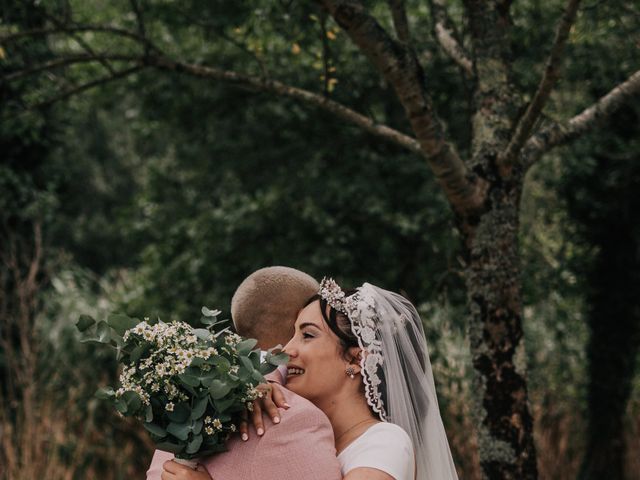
(57, 442)
(559, 435)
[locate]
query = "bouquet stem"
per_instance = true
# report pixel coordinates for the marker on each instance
(191, 463)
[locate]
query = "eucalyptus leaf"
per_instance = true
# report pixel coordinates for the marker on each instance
(197, 362)
(246, 363)
(210, 313)
(245, 346)
(121, 406)
(133, 402)
(266, 368)
(196, 426)
(223, 404)
(189, 379)
(154, 429)
(170, 447)
(244, 374)
(180, 413)
(139, 351)
(103, 331)
(121, 323)
(105, 393)
(222, 364)
(84, 322)
(278, 359)
(199, 407)
(179, 430)
(219, 389)
(194, 444)
(202, 333)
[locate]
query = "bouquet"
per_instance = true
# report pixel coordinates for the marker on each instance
(189, 386)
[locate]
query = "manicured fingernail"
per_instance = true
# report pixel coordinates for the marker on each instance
(260, 431)
(287, 405)
(245, 437)
(276, 419)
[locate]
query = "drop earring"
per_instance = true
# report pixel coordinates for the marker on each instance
(351, 372)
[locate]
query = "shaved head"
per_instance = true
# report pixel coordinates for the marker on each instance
(267, 302)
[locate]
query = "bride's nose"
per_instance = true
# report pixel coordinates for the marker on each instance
(289, 349)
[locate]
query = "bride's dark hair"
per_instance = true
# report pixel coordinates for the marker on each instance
(338, 322)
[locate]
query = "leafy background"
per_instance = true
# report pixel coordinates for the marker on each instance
(158, 194)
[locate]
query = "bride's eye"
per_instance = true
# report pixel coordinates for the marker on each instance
(307, 335)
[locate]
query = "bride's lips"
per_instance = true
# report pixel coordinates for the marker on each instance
(294, 371)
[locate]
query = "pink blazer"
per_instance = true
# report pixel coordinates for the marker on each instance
(301, 446)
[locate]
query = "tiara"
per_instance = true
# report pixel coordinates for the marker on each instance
(331, 292)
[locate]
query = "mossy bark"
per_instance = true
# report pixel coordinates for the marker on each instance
(501, 411)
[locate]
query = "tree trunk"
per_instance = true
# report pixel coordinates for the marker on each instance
(503, 419)
(613, 313)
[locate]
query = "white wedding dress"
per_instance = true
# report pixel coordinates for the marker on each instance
(384, 446)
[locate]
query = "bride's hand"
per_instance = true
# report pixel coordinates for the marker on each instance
(175, 471)
(271, 399)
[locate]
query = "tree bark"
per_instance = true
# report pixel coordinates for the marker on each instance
(502, 415)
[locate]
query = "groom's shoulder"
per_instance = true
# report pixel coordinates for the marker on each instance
(302, 412)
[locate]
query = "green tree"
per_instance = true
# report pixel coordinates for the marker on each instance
(481, 175)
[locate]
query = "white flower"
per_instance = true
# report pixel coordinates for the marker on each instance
(209, 430)
(169, 407)
(217, 424)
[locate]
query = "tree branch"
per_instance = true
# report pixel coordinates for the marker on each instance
(219, 32)
(64, 61)
(85, 86)
(43, 32)
(494, 97)
(400, 21)
(135, 6)
(87, 48)
(305, 96)
(398, 64)
(547, 82)
(556, 134)
(162, 62)
(444, 32)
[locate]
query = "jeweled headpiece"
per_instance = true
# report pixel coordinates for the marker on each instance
(360, 309)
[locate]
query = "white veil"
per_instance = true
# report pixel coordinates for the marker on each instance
(397, 374)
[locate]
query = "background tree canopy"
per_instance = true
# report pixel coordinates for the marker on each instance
(131, 183)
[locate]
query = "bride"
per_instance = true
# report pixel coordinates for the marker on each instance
(361, 357)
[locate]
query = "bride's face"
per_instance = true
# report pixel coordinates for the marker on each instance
(316, 365)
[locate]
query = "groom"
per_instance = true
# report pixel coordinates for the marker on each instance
(265, 307)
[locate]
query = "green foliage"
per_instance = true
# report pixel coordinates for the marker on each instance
(160, 191)
(188, 389)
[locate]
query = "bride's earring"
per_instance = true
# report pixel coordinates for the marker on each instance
(351, 372)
